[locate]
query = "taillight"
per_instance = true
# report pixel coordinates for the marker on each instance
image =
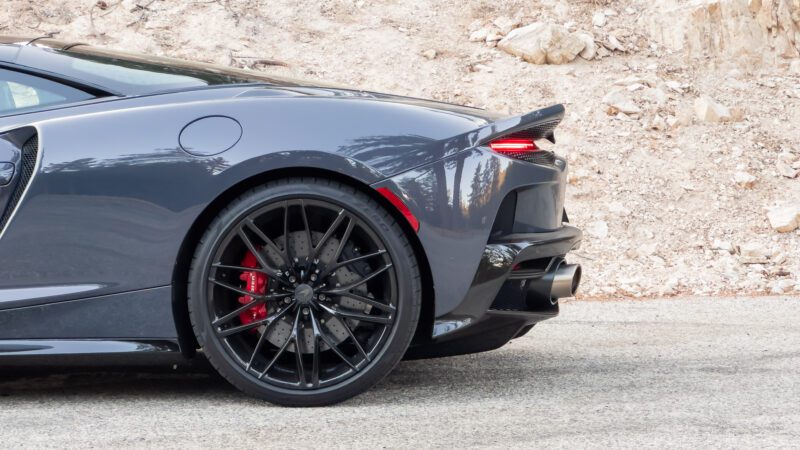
(513, 145)
(522, 147)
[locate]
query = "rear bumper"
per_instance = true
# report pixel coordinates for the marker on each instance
(498, 290)
(505, 298)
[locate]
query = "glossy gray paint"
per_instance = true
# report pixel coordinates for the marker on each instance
(457, 198)
(118, 187)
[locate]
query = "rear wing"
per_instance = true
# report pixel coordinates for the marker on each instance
(539, 124)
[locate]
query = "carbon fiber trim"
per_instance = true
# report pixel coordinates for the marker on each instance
(30, 153)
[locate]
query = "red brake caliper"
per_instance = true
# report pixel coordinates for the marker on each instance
(257, 284)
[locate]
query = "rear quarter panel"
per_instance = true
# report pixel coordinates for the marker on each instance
(115, 194)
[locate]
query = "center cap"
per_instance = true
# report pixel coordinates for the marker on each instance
(304, 294)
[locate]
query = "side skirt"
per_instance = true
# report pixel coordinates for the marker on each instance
(89, 352)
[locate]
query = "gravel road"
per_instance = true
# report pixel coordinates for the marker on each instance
(686, 372)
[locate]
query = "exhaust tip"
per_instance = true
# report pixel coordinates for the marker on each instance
(566, 280)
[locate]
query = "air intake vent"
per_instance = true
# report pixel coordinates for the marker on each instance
(27, 165)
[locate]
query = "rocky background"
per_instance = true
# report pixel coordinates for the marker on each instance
(682, 126)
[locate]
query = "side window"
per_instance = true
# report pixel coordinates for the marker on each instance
(21, 92)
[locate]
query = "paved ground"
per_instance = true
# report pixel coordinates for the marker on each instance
(678, 373)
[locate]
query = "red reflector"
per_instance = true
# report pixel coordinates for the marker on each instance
(398, 203)
(513, 145)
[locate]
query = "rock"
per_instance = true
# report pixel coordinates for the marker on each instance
(618, 101)
(430, 54)
(613, 44)
(782, 286)
(479, 35)
(494, 36)
(728, 30)
(674, 85)
(744, 179)
(786, 170)
(542, 43)
(599, 19)
(723, 245)
(598, 229)
(658, 123)
(590, 48)
(708, 110)
(784, 219)
(655, 95)
(506, 24)
(753, 253)
(794, 67)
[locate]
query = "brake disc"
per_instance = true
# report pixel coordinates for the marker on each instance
(330, 325)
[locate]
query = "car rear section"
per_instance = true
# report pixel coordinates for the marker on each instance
(493, 224)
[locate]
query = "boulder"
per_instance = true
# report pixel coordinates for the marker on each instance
(543, 43)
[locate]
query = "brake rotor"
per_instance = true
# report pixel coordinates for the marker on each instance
(280, 331)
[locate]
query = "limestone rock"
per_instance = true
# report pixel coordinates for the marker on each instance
(543, 43)
(708, 110)
(744, 179)
(618, 101)
(753, 253)
(506, 24)
(589, 51)
(599, 19)
(784, 218)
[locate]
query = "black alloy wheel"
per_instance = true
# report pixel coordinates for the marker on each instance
(304, 292)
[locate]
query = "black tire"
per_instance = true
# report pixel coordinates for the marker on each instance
(397, 280)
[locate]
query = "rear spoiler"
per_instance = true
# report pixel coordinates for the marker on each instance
(538, 124)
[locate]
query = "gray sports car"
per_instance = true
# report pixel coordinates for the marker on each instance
(304, 237)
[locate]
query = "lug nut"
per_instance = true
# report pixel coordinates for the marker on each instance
(313, 277)
(292, 279)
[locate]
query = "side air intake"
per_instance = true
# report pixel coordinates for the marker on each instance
(30, 153)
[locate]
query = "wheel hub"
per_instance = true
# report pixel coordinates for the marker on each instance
(304, 294)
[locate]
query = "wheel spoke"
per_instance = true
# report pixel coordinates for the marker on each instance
(331, 230)
(335, 266)
(275, 357)
(268, 242)
(249, 326)
(265, 267)
(236, 289)
(321, 335)
(299, 341)
(347, 287)
(286, 247)
(351, 224)
(370, 301)
(355, 341)
(236, 312)
(344, 314)
(306, 226)
(274, 318)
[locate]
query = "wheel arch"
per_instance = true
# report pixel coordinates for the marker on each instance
(187, 340)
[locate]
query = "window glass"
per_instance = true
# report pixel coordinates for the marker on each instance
(21, 92)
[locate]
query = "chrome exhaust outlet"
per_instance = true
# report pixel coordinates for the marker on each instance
(562, 280)
(566, 279)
